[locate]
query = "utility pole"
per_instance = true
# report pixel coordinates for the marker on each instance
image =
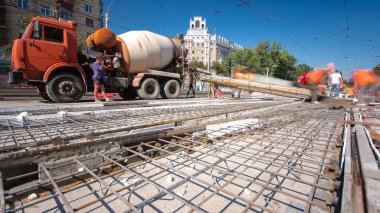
(209, 51)
(209, 57)
(267, 74)
(107, 14)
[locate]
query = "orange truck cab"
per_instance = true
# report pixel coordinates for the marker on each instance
(46, 56)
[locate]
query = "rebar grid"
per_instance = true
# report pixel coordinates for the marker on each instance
(270, 166)
(31, 132)
(70, 128)
(52, 109)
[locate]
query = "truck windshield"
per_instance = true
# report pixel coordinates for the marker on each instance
(26, 31)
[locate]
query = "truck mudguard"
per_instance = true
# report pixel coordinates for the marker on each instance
(56, 66)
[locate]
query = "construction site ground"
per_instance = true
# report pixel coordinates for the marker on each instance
(260, 153)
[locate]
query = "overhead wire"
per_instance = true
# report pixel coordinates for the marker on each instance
(246, 3)
(141, 24)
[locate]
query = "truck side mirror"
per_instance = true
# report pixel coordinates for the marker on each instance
(36, 29)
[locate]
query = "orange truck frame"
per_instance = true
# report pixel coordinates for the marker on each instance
(46, 56)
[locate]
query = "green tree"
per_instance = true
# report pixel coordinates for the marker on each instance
(300, 69)
(7, 50)
(198, 64)
(220, 68)
(265, 57)
(241, 58)
(81, 44)
(24, 21)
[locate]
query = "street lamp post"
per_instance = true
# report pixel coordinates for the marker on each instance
(107, 14)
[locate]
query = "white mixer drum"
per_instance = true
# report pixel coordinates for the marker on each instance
(143, 49)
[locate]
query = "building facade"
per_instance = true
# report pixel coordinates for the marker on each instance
(205, 47)
(86, 13)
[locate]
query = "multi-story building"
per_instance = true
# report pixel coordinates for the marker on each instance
(205, 47)
(86, 13)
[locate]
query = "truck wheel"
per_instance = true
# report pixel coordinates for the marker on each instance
(42, 92)
(65, 88)
(170, 89)
(128, 93)
(149, 89)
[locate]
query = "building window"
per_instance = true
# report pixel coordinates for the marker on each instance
(22, 4)
(65, 14)
(203, 52)
(192, 52)
(203, 26)
(45, 10)
(89, 22)
(88, 8)
(192, 26)
(197, 24)
(53, 34)
(203, 44)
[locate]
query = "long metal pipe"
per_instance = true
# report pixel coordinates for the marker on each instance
(257, 87)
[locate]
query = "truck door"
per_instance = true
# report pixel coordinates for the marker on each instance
(50, 48)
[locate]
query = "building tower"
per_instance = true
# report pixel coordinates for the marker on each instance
(197, 40)
(203, 46)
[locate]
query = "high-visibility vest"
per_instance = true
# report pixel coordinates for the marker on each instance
(364, 77)
(240, 75)
(316, 77)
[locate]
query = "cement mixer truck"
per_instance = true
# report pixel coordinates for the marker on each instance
(138, 63)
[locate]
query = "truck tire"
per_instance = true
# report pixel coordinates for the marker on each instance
(42, 92)
(149, 89)
(170, 89)
(128, 93)
(65, 88)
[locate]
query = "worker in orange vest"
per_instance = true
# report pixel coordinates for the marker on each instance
(364, 80)
(312, 79)
(238, 74)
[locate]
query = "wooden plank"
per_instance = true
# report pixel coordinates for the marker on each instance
(369, 169)
(364, 123)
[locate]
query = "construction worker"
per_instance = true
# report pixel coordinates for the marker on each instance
(313, 79)
(238, 74)
(191, 84)
(212, 88)
(364, 80)
(99, 78)
(336, 83)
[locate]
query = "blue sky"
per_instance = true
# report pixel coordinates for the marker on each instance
(314, 31)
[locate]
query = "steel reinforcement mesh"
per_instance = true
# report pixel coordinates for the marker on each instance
(273, 165)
